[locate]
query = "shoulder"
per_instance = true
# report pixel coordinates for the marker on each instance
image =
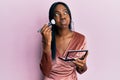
(79, 35)
(79, 40)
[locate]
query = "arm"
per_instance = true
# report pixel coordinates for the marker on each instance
(46, 61)
(81, 66)
(46, 64)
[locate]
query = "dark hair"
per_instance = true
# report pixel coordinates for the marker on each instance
(51, 16)
(52, 8)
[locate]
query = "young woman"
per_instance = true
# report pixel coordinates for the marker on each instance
(57, 41)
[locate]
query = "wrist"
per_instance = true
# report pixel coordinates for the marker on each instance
(46, 42)
(47, 48)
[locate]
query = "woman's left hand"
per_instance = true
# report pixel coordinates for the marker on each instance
(81, 66)
(79, 63)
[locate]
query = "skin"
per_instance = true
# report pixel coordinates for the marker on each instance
(63, 35)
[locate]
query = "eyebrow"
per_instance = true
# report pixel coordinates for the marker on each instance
(59, 11)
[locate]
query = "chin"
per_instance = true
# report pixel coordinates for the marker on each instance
(64, 26)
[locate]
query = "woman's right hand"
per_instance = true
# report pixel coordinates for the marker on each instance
(46, 35)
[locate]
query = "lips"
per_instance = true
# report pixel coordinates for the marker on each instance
(63, 22)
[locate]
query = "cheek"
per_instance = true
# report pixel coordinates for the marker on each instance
(68, 20)
(57, 20)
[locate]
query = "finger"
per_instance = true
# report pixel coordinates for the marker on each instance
(48, 30)
(81, 61)
(78, 61)
(78, 64)
(43, 28)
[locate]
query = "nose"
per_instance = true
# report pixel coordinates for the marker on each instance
(62, 16)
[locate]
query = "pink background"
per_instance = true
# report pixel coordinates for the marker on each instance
(20, 44)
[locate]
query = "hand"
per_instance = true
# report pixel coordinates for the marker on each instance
(46, 34)
(81, 62)
(81, 66)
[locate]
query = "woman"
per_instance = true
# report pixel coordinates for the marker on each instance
(57, 41)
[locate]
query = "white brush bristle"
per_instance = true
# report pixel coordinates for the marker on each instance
(52, 21)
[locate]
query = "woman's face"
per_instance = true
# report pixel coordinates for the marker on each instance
(61, 16)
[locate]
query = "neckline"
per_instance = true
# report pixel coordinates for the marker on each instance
(64, 53)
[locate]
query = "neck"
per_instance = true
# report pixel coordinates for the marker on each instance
(63, 32)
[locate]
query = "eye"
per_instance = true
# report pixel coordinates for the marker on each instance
(66, 12)
(57, 14)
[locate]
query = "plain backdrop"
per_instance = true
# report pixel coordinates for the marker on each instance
(20, 44)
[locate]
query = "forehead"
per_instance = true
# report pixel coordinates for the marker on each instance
(60, 7)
